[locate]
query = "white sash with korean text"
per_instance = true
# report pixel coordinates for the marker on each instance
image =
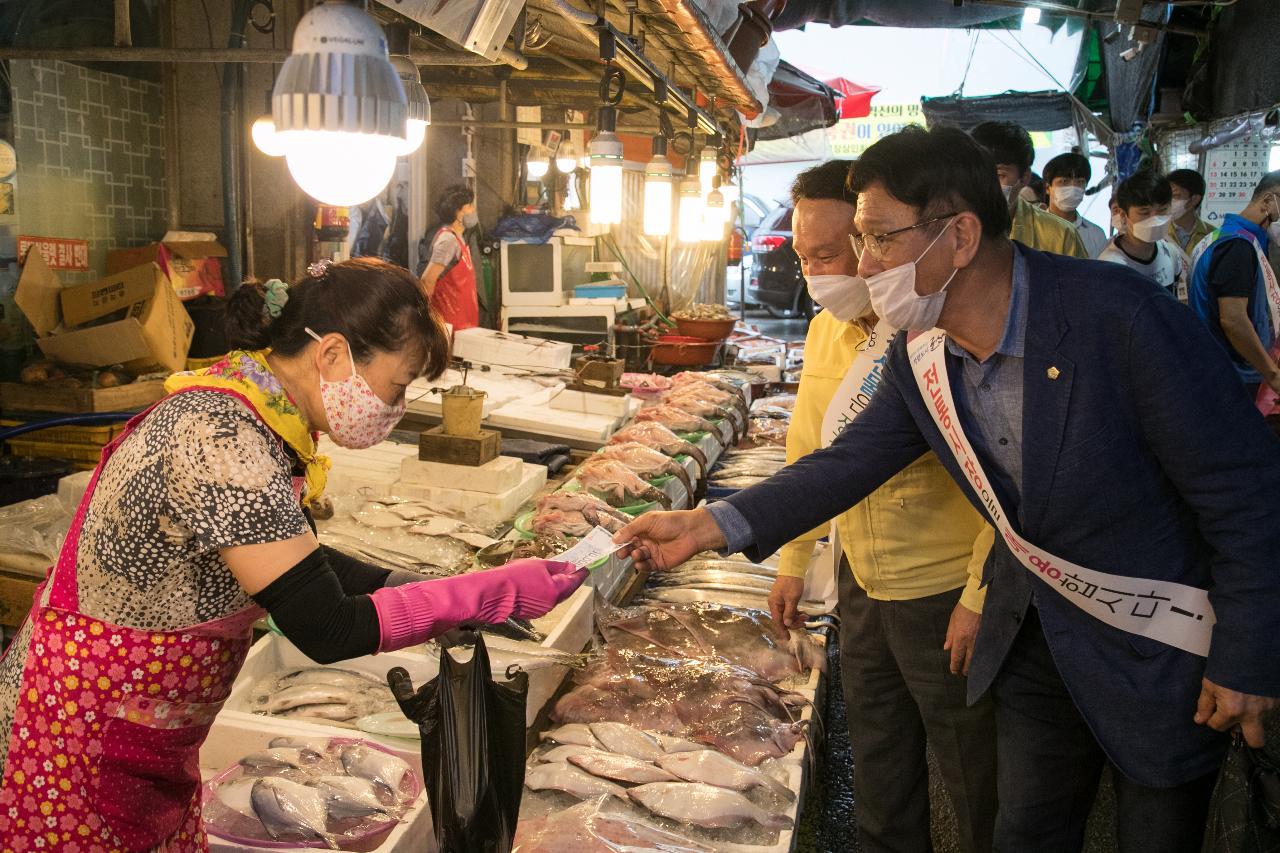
(851, 398)
(1270, 285)
(1172, 613)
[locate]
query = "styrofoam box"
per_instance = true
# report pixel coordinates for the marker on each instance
(586, 403)
(477, 507)
(493, 477)
(547, 421)
(490, 347)
(231, 738)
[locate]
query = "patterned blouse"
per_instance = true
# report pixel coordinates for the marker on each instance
(199, 474)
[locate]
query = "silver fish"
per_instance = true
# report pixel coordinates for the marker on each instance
(572, 780)
(315, 744)
(307, 694)
(375, 765)
(738, 482)
(283, 758)
(346, 796)
(715, 768)
(567, 751)
(672, 745)
(577, 734)
(337, 713)
(288, 808)
(621, 768)
(627, 740)
(704, 805)
(328, 676)
(711, 577)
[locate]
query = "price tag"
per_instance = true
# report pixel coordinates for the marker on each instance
(597, 545)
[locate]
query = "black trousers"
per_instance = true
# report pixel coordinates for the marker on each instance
(900, 694)
(1050, 764)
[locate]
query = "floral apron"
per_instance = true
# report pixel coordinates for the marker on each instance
(103, 754)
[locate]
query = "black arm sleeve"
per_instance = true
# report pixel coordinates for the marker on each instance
(310, 606)
(356, 576)
(1233, 270)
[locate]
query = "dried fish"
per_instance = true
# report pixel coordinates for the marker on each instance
(704, 805)
(560, 513)
(617, 484)
(621, 768)
(662, 439)
(288, 808)
(649, 463)
(572, 780)
(717, 769)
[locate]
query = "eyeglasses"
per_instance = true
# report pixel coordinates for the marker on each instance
(878, 244)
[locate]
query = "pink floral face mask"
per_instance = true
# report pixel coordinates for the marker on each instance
(358, 418)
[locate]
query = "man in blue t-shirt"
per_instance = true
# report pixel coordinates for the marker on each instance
(1229, 285)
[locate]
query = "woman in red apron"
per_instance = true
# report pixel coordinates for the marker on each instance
(193, 526)
(450, 278)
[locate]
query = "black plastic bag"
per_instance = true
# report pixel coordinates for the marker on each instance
(473, 749)
(1244, 816)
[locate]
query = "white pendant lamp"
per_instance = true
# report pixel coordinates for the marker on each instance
(708, 166)
(658, 185)
(566, 162)
(605, 151)
(713, 217)
(690, 214)
(339, 106)
(536, 167)
(263, 132)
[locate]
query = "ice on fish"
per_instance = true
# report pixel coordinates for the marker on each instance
(714, 768)
(288, 808)
(575, 734)
(704, 805)
(621, 768)
(282, 758)
(375, 765)
(348, 796)
(571, 780)
(627, 740)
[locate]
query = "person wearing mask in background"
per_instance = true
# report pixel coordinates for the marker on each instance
(1143, 199)
(1034, 192)
(909, 566)
(450, 277)
(1117, 216)
(1133, 590)
(1233, 287)
(1013, 152)
(1066, 177)
(195, 525)
(1187, 229)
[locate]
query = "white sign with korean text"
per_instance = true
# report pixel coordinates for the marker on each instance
(1173, 613)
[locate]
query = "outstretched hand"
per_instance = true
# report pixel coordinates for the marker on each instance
(658, 541)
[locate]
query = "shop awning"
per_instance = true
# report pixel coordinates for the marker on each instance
(1036, 111)
(854, 99)
(890, 13)
(801, 101)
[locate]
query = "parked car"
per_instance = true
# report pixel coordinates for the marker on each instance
(776, 281)
(740, 259)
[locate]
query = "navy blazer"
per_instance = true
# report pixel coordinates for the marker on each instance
(1142, 458)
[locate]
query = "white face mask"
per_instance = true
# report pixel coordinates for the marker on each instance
(893, 295)
(1008, 192)
(1150, 230)
(1273, 230)
(1178, 208)
(1067, 198)
(358, 418)
(1117, 223)
(845, 296)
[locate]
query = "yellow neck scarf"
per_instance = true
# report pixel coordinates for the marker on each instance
(248, 374)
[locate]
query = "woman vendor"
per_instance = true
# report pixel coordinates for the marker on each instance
(194, 524)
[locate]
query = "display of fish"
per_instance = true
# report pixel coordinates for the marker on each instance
(650, 464)
(306, 694)
(327, 676)
(678, 420)
(660, 438)
(565, 752)
(731, 403)
(346, 796)
(622, 768)
(238, 795)
(571, 780)
(711, 579)
(704, 805)
(617, 484)
(282, 758)
(627, 740)
(291, 809)
(573, 734)
(588, 828)
(325, 693)
(763, 432)
(714, 768)
(443, 526)
(692, 401)
(376, 766)
(578, 514)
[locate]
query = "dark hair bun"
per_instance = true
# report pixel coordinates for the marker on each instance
(247, 324)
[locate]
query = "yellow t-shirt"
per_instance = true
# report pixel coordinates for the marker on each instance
(1040, 229)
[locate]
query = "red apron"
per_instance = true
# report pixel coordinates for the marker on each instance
(455, 293)
(103, 753)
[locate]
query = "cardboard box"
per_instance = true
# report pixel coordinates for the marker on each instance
(135, 396)
(192, 266)
(131, 318)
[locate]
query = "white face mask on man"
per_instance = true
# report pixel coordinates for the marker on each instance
(844, 296)
(1150, 230)
(1067, 198)
(894, 297)
(1273, 230)
(1178, 208)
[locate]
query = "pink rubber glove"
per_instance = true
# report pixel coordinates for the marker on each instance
(414, 613)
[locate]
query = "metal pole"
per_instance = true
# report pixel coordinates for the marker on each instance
(746, 240)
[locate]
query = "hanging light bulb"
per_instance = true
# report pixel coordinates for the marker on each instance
(606, 171)
(657, 191)
(339, 108)
(708, 165)
(566, 162)
(264, 133)
(713, 217)
(690, 230)
(536, 166)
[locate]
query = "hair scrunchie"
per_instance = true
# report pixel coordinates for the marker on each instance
(275, 294)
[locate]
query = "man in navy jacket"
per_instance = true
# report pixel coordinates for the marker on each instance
(1107, 422)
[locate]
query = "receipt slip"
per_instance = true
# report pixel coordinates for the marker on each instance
(593, 548)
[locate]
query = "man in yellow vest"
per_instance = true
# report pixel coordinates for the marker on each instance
(1187, 228)
(1011, 148)
(910, 561)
